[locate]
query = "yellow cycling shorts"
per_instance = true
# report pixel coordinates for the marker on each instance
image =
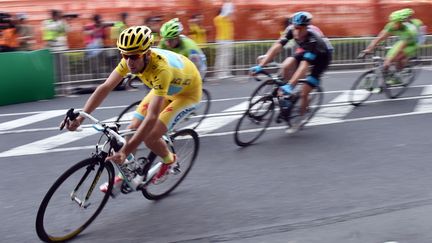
(174, 109)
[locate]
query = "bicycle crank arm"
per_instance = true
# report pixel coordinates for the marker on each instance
(152, 172)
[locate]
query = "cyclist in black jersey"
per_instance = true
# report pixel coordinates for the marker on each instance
(315, 51)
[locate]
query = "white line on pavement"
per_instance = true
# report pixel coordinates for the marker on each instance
(219, 134)
(425, 104)
(30, 119)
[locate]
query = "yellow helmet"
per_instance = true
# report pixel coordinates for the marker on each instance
(135, 39)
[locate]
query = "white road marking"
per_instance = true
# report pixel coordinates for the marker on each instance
(50, 143)
(213, 123)
(425, 104)
(329, 115)
(218, 134)
(30, 119)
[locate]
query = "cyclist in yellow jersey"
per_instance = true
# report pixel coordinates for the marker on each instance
(176, 90)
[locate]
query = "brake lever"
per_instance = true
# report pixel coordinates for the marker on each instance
(70, 116)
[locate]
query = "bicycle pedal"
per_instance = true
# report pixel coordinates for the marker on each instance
(125, 189)
(175, 170)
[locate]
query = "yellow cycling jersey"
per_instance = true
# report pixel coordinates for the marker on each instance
(168, 74)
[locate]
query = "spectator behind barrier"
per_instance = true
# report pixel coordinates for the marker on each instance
(24, 32)
(8, 36)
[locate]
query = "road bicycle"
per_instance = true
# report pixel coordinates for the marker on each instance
(193, 120)
(74, 201)
(265, 100)
(375, 81)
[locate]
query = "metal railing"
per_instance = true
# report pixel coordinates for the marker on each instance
(80, 68)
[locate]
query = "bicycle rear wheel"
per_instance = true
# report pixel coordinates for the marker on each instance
(200, 113)
(74, 200)
(254, 121)
(185, 144)
(126, 115)
(363, 88)
(403, 79)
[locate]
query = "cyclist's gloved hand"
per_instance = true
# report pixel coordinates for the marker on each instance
(256, 69)
(287, 89)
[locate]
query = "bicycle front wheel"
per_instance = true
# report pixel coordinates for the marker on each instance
(185, 144)
(254, 121)
(74, 200)
(126, 115)
(363, 88)
(264, 89)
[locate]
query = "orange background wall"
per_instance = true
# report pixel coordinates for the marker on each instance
(254, 19)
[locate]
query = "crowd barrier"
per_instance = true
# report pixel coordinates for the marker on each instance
(78, 68)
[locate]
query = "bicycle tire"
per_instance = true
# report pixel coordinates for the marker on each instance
(360, 91)
(264, 89)
(205, 104)
(250, 117)
(188, 135)
(41, 221)
(315, 101)
(125, 115)
(394, 91)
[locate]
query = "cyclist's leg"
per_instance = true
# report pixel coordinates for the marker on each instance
(288, 67)
(320, 64)
(141, 110)
(178, 109)
(394, 51)
(403, 57)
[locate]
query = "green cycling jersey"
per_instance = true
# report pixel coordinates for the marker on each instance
(187, 47)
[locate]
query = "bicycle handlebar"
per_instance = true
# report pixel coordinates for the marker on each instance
(71, 115)
(262, 72)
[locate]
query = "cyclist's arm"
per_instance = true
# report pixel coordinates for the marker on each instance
(271, 53)
(102, 92)
(149, 122)
(195, 58)
(382, 36)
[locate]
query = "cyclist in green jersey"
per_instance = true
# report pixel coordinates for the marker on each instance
(403, 49)
(173, 40)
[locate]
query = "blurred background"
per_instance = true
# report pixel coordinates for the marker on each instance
(253, 19)
(80, 35)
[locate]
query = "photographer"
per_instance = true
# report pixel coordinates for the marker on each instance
(96, 35)
(24, 32)
(54, 32)
(8, 35)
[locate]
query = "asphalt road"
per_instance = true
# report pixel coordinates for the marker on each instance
(355, 175)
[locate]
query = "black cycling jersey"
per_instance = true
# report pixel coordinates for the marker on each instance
(313, 42)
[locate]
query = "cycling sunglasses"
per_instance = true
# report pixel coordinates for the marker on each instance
(133, 57)
(299, 26)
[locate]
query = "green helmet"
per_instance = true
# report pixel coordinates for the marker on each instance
(408, 12)
(171, 29)
(398, 16)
